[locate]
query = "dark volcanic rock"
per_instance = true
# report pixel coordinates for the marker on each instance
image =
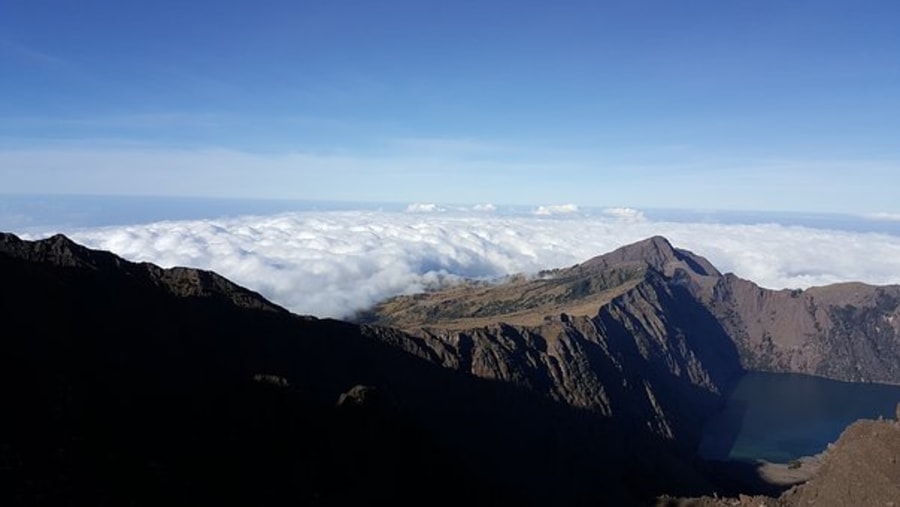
(657, 253)
(847, 331)
(125, 383)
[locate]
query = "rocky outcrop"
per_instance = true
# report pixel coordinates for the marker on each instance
(61, 252)
(861, 468)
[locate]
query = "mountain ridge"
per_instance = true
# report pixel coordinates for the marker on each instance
(848, 331)
(127, 373)
(653, 333)
(127, 383)
(61, 251)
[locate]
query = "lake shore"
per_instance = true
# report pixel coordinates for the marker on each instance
(789, 474)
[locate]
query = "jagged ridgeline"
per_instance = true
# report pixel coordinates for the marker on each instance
(847, 331)
(128, 383)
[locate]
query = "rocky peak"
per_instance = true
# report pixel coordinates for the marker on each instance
(576, 291)
(657, 253)
(60, 251)
(57, 250)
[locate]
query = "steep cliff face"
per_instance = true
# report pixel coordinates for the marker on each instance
(846, 331)
(621, 335)
(651, 334)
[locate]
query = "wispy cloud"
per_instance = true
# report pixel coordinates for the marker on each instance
(630, 214)
(132, 120)
(116, 168)
(452, 171)
(447, 146)
(556, 209)
(334, 263)
(890, 217)
(31, 55)
(419, 207)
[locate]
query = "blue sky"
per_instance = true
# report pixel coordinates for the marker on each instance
(758, 104)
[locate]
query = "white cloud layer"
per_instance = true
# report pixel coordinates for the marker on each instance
(891, 217)
(625, 214)
(429, 207)
(334, 263)
(556, 209)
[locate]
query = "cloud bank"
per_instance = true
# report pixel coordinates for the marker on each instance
(625, 214)
(429, 207)
(556, 209)
(488, 207)
(335, 263)
(890, 217)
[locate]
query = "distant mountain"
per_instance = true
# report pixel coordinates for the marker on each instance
(128, 383)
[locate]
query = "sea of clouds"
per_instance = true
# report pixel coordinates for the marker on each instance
(334, 263)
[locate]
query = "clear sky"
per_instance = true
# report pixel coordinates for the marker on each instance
(720, 104)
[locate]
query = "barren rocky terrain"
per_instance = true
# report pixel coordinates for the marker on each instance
(861, 468)
(128, 383)
(847, 331)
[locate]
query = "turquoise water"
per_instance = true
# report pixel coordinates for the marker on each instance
(779, 417)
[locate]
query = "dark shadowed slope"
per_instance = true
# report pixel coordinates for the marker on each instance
(126, 383)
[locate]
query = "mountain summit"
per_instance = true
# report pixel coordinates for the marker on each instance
(843, 331)
(657, 253)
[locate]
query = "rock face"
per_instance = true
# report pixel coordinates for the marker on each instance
(653, 335)
(846, 331)
(627, 335)
(621, 335)
(861, 468)
(684, 319)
